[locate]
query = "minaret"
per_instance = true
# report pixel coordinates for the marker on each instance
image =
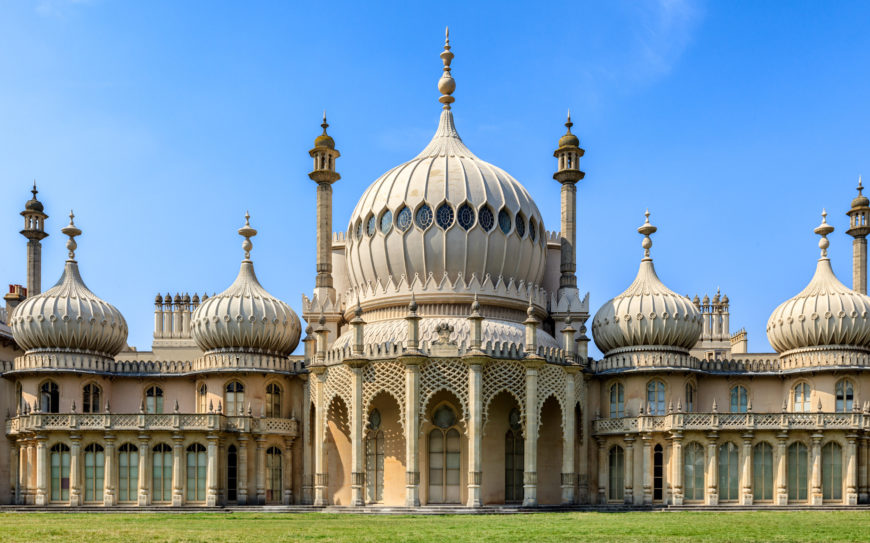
(324, 154)
(859, 227)
(568, 173)
(34, 231)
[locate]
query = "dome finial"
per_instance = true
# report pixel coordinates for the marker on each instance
(325, 124)
(248, 233)
(646, 229)
(823, 230)
(72, 231)
(446, 85)
(568, 123)
(34, 191)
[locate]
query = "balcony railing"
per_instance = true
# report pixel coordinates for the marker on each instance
(678, 422)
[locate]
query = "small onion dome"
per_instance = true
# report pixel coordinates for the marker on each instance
(244, 317)
(825, 313)
(647, 314)
(569, 139)
(859, 201)
(33, 204)
(68, 317)
(324, 140)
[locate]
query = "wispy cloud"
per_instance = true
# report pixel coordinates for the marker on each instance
(666, 30)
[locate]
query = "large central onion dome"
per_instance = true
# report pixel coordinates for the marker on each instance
(68, 317)
(823, 315)
(245, 318)
(648, 315)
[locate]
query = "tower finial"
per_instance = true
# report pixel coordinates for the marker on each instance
(446, 85)
(72, 231)
(325, 124)
(569, 124)
(34, 191)
(860, 186)
(823, 230)
(248, 233)
(646, 229)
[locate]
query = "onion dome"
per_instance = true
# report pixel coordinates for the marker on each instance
(446, 213)
(569, 139)
(825, 314)
(68, 317)
(648, 314)
(33, 204)
(860, 200)
(244, 317)
(324, 140)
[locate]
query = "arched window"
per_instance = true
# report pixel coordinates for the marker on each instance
(153, 400)
(161, 473)
(91, 398)
(444, 457)
(617, 400)
(232, 473)
(762, 472)
(202, 398)
(739, 399)
(655, 397)
(128, 472)
(693, 467)
(658, 472)
(832, 471)
(196, 466)
(797, 466)
(273, 475)
(235, 398)
(273, 400)
(59, 473)
(728, 472)
(845, 395)
(801, 398)
(49, 397)
(514, 458)
(690, 397)
(375, 459)
(616, 472)
(95, 462)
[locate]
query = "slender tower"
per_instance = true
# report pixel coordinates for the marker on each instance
(324, 154)
(568, 174)
(859, 227)
(34, 230)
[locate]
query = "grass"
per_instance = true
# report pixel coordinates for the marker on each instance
(545, 527)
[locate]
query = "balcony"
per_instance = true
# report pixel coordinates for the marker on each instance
(708, 422)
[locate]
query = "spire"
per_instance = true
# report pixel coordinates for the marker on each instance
(72, 231)
(446, 85)
(646, 229)
(248, 233)
(823, 230)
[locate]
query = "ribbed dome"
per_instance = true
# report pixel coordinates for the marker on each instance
(244, 317)
(647, 314)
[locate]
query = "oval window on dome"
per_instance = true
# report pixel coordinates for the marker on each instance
(521, 225)
(386, 221)
(403, 219)
(444, 216)
(504, 221)
(533, 229)
(485, 218)
(465, 216)
(370, 226)
(358, 229)
(424, 216)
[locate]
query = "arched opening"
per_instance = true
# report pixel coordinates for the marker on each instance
(658, 473)
(154, 400)
(338, 452)
(502, 446)
(374, 459)
(845, 394)
(161, 473)
(617, 400)
(95, 462)
(549, 453)
(514, 458)
(832, 471)
(91, 398)
(762, 472)
(232, 473)
(797, 467)
(59, 473)
(196, 468)
(801, 398)
(49, 397)
(273, 400)
(655, 397)
(728, 472)
(128, 472)
(234, 398)
(616, 474)
(739, 399)
(274, 475)
(693, 476)
(202, 398)
(385, 452)
(444, 457)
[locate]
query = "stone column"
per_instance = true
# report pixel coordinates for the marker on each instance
(569, 442)
(677, 467)
(357, 454)
(412, 431)
(242, 494)
(781, 475)
(42, 497)
(320, 475)
(746, 472)
(75, 484)
(602, 472)
(629, 470)
(143, 492)
(530, 473)
(851, 471)
(475, 431)
(177, 468)
(287, 471)
(712, 469)
(307, 476)
(13, 472)
(32, 474)
(862, 470)
(816, 459)
(859, 264)
(23, 474)
(211, 477)
(647, 469)
(110, 498)
(261, 470)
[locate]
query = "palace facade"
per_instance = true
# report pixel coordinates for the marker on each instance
(445, 362)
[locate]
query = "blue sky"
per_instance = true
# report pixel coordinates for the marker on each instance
(161, 122)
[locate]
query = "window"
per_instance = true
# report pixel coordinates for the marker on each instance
(616, 472)
(161, 473)
(273, 475)
(374, 459)
(49, 397)
(424, 217)
(617, 401)
(232, 473)
(359, 229)
(845, 396)
(444, 458)
(658, 473)
(196, 466)
(762, 472)
(95, 462)
(370, 226)
(128, 472)
(533, 229)
(690, 397)
(728, 472)
(91, 398)
(797, 466)
(514, 458)
(739, 399)
(273, 400)
(832, 471)
(202, 398)
(403, 219)
(386, 221)
(235, 398)
(521, 225)
(693, 467)
(485, 218)
(444, 216)
(504, 221)
(59, 473)
(154, 400)
(465, 216)
(801, 399)
(655, 397)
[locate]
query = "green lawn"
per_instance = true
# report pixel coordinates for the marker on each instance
(551, 527)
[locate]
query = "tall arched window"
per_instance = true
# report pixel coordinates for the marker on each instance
(655, 397)
(59, 473)
(202, 399)
(196, 466)
(235, 398)
(617, 400)
(616, 473)
(690, 397)
(374, 459)
(274, 482)
(739, 399)
(693, 466)
(514, 458)
(161, 473)
(845, 396)
(95, 462)
(797, 472)
(154, 400)
(273, 400)
(801, 398)
(232, 473)
(658, 472)
(832, 471)
(128, 472)
(49, 397)
(728, 472)
(444, 457)
(91, 398)
(762, 472)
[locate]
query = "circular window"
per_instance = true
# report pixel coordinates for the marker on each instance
(504, 221)
(465, 216)
(486, 219)
(533, 229)
(444, 216)
(386, 221)
(521, 225)
(359, 230)
(444, 417)
(403, 219)
(424, 216)
(370, 226)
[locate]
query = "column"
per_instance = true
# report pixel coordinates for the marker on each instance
(41, 467)
(320, 475)
(144, 450)
(287, 471)
(32, 473)
(13, 472)
(75, 485)
(177, 467)
(530, 473)
(859, 264)
(781, 476)
(110, 498)
(23, 458)
(862, 469)
(569, 442)
(677, 468)
(307, 477)
(211, 472)
(602, 472)
(851, 471)
(475, 431)
(712, 470)
(412, 431)
(816, 459)
(261, 470)
(647, 469)
(746, 471)
(242, 494)
(629, 470)
(357, 455)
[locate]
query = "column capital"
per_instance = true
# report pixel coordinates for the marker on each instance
(355, 363)
(533, 362)
(413, 361)
(476, 360)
